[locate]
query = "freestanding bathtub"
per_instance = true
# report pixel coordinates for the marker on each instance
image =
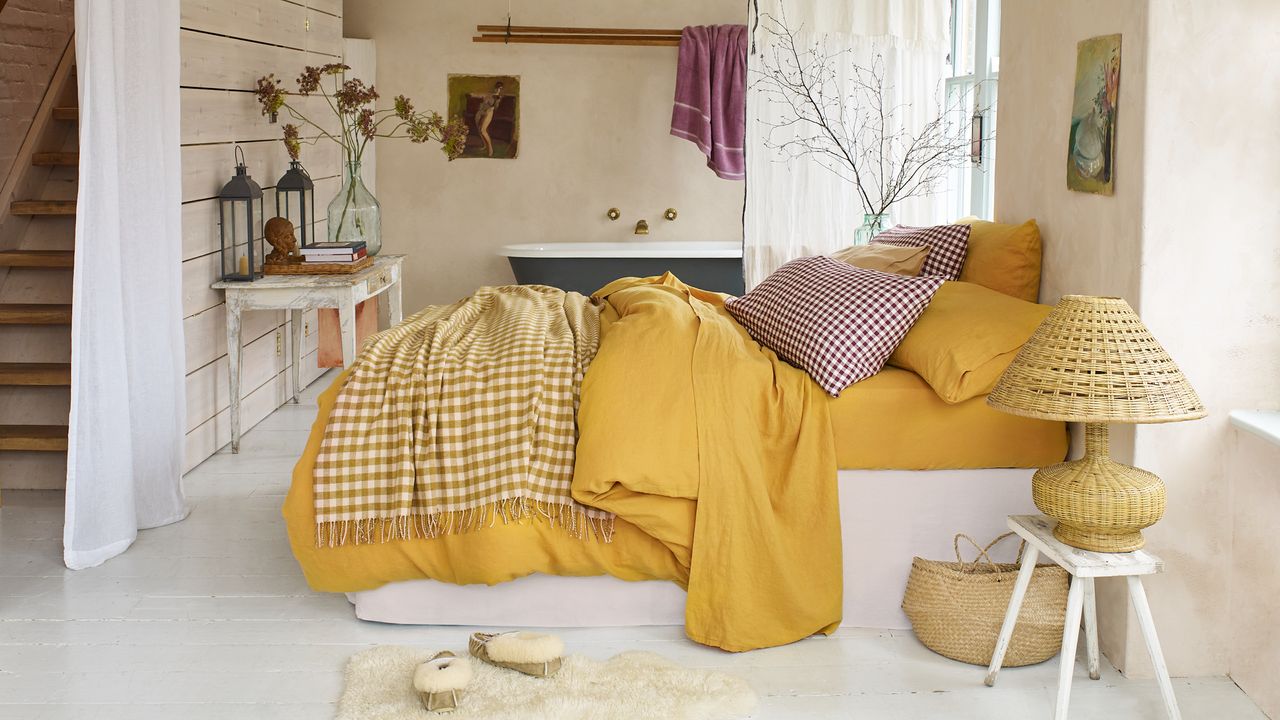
(588, 266)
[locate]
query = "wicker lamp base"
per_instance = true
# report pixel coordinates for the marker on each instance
(1100, 504)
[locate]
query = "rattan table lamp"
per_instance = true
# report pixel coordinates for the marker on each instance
(1093, 361)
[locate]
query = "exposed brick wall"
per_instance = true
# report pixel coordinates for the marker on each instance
(32, 36)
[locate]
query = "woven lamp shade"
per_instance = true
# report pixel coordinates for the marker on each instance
(1092, 360)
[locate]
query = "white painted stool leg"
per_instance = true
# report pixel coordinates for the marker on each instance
(1091, 629)
(1148, 627)
(1011, 615)
(1070, 637)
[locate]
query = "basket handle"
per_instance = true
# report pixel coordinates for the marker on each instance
(982, 551)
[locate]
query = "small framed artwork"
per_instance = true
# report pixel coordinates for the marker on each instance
(1091, 150)
(490, 107)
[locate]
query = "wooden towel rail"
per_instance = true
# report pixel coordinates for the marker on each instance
(576, 36)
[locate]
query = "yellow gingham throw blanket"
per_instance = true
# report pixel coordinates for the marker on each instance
(462, 415)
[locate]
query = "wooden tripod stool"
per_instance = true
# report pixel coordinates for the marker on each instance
(1084, 566)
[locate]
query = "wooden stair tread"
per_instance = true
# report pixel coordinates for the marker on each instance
(43, 207)
(37, 258)
(49, 159)
(38, 438)
(66, 113)
(36, 374)
(44, 314)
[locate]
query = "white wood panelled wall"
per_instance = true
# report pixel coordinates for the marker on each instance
(226, 46)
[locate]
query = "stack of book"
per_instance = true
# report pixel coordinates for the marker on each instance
(335, 252)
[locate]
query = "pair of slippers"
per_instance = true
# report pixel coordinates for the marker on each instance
(441, 680)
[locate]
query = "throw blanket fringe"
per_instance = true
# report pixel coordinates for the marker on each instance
(460, 417)
(574, 520)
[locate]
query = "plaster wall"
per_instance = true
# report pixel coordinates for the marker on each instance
(1211, 294)
(594, 134)
(1189, 238)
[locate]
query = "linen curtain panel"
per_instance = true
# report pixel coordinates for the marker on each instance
(796, 207)
(124, 457)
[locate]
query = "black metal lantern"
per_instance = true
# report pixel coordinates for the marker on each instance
(240, 224)
(295, 201)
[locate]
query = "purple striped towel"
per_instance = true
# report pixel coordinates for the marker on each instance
(711, 95)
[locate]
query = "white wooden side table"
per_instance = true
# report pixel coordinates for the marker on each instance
(298, 293)
(1084, 566)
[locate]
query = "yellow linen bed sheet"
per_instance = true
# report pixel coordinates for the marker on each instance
(894, 420)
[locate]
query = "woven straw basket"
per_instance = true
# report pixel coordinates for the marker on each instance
(956, 608)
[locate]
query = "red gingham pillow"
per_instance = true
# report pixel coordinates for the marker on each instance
(948, 245)
(837, 322)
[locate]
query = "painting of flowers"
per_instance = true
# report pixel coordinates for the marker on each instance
(489, 106)
(1091, 150)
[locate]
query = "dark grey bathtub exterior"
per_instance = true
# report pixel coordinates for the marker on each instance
(588, 274)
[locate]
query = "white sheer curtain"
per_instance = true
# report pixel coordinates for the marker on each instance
(797, 207)
(124, 459)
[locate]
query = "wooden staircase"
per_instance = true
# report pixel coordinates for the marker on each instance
(37, 234)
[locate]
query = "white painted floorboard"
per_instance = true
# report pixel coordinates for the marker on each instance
(210, 619)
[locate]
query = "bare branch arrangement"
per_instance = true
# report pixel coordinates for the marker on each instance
(855, 131)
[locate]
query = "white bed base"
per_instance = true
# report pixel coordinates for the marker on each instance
(886, 516)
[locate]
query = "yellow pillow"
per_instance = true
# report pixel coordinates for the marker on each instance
(1005, 258)
(885, 258)
(965, 339)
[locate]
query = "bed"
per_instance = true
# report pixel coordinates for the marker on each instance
(531, 574)
(978, 460)
(920, 456)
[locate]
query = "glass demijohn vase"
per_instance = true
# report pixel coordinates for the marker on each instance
(354, 213)
(872, 225)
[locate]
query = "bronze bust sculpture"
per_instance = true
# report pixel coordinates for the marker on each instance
(284, 246)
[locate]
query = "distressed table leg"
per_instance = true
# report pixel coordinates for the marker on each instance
(395, 311)
(1070, 637)
(1138, 596)
(295, 338)
(1011, 615)
(1091, 629)
(233, 364)
(347, 327)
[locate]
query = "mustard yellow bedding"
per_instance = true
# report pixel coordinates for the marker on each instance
(691, 430)
(718, 460)
(716, 457)
(894, 420)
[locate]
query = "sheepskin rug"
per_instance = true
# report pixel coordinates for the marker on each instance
(379, 686)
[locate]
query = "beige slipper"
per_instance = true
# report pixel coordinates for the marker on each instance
(537, 654)
(441, 680)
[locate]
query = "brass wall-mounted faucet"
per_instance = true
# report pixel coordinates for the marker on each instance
(642, 227)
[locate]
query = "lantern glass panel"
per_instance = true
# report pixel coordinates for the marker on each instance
(258, 238)
(295, 201)
(235, 241)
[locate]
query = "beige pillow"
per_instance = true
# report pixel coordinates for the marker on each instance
(885, 258)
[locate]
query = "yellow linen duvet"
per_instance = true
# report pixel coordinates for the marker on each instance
(716, 457)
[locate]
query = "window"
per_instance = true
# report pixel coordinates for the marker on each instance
(973, 69)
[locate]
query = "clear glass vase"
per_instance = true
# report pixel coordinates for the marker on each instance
(872, 225)
(354, 213)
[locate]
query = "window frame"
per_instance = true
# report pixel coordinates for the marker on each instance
(974, 186)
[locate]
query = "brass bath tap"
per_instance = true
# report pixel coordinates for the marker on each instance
(642, 227)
